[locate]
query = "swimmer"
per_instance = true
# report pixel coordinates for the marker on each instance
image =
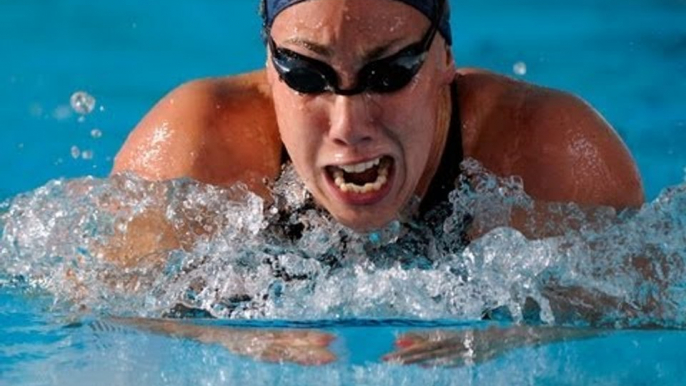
(363, 97)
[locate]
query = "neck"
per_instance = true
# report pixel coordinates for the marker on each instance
(443, 116)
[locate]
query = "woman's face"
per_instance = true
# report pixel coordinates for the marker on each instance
(363, 156)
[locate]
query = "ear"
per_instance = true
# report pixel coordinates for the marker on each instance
(449, 59)
(448, 65)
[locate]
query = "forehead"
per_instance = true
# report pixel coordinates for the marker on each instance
(350, 23)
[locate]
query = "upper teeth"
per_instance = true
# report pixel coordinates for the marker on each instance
(361, 167)
(381, 176)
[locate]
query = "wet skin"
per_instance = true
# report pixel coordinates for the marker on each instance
(424, 348)
(453, 348)
(224, 130)
(232, 129)
(407, 126)
(304, 347)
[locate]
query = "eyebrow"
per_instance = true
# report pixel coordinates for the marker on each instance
(310, 45)
(326, 52)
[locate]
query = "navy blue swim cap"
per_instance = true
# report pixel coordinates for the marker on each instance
(272, 8)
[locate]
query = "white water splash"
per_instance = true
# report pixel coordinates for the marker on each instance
(226, 253)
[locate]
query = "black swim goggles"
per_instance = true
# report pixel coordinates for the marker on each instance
(310, 76)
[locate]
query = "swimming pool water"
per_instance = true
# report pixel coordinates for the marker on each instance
(628, 60)
(39, 350)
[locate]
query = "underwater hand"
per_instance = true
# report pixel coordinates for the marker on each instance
(473, 346)
(297, 346)
(305, 347)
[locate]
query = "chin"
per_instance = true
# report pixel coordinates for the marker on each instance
(363, 223)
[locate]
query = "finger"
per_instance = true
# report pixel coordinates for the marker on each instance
(304, 338)
(406, 341)
(270, 354)
(417, 356)
(301, 356)
(454, 359)
(427, 351)
(313, 357)
(410, 339)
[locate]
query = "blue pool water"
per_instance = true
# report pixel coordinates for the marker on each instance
(628, 60)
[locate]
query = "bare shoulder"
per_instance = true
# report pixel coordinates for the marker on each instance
(561, 146)
(217, 130)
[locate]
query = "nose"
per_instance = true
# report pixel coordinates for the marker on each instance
(352, 120)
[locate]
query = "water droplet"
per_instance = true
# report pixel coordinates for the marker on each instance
(75, 152)
(96, 133)
(519, 68)
(87, 154)
(82, 102)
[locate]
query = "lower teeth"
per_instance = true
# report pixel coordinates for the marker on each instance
(345, 187)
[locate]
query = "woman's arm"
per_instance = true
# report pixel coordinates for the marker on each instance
(305, 347)
(217, 131)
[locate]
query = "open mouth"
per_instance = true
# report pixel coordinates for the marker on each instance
(361, 178)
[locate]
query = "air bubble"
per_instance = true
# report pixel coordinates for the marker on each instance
(82, 102)
(519, 68)
(96, 133)
(87, 154)
(75, 152)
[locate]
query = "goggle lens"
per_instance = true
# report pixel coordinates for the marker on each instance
(310, 76)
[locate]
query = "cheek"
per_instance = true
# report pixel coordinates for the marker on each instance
(412, 123)
(418, 148)
(298, 126)
(413, 129)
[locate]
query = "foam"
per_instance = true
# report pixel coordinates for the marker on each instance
(599, 268)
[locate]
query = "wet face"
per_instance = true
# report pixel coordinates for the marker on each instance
(363, 157)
